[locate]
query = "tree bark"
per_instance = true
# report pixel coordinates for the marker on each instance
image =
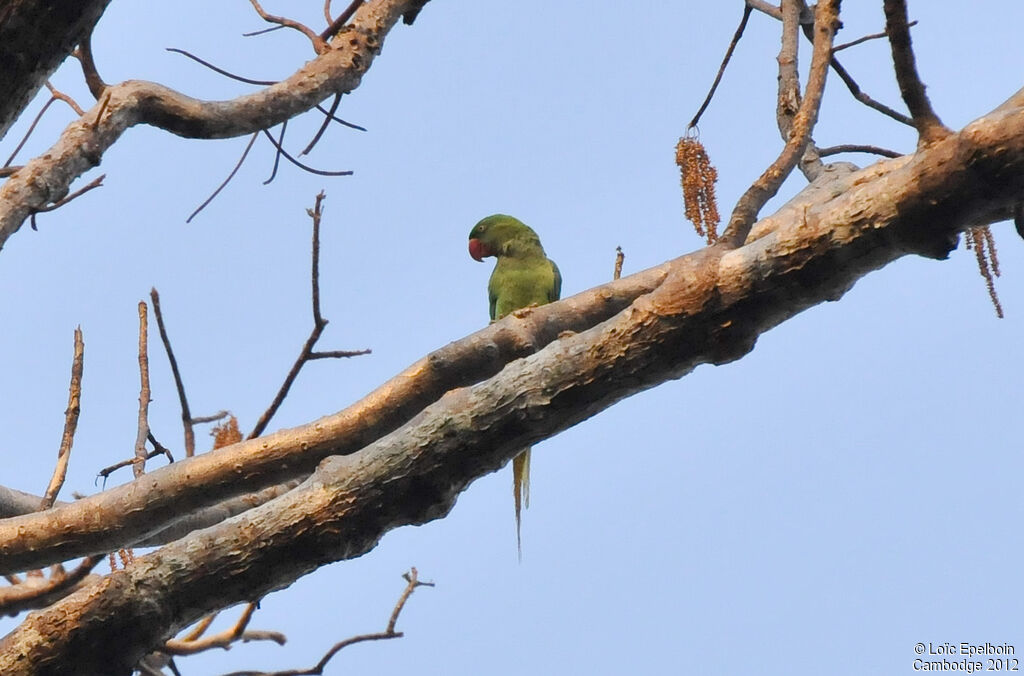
(708, 307)
(35, 37)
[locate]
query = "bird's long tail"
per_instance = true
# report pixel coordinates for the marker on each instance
(521, 491)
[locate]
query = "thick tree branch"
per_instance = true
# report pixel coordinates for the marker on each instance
(812, 251)
(48, 177)
(136, 511)
(710, 308)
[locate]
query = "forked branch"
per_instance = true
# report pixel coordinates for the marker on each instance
(826, 19)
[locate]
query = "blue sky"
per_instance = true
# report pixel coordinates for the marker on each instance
(850, 488)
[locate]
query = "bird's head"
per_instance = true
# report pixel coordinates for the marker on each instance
(492, 235)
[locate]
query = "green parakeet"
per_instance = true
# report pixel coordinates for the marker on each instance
(523, 277)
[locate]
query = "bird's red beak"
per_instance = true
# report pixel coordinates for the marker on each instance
(478, 250)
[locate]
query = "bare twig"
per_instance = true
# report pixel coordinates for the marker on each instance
(873, 36)
(318, 42)
(323, 127)
(327, 12)
(619, 258)
(857, 148)
(721, 69)
(31, 128)
(107, 471)
(858, 94)
(186, 414)
(61, 96)
(336, 354)
(319, 323)
(70, 423)
(339, 23)
(413, 582)
(264, 31)
(91, 185)
(300, 165)
(826, 19)
(141, 454)
(221, 71)
(238, 165)
(277, 153)
(193, 643)
(247, 80)
(841, 71)
(929, 126)
(95, 183)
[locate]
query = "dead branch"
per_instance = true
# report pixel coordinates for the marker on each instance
(929, 126)
(389, 632)
(826, 19)
(82, 144)
(141, 454)
(70, 423)
(319, 324)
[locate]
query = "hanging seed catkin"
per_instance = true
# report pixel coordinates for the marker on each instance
(698, 179)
